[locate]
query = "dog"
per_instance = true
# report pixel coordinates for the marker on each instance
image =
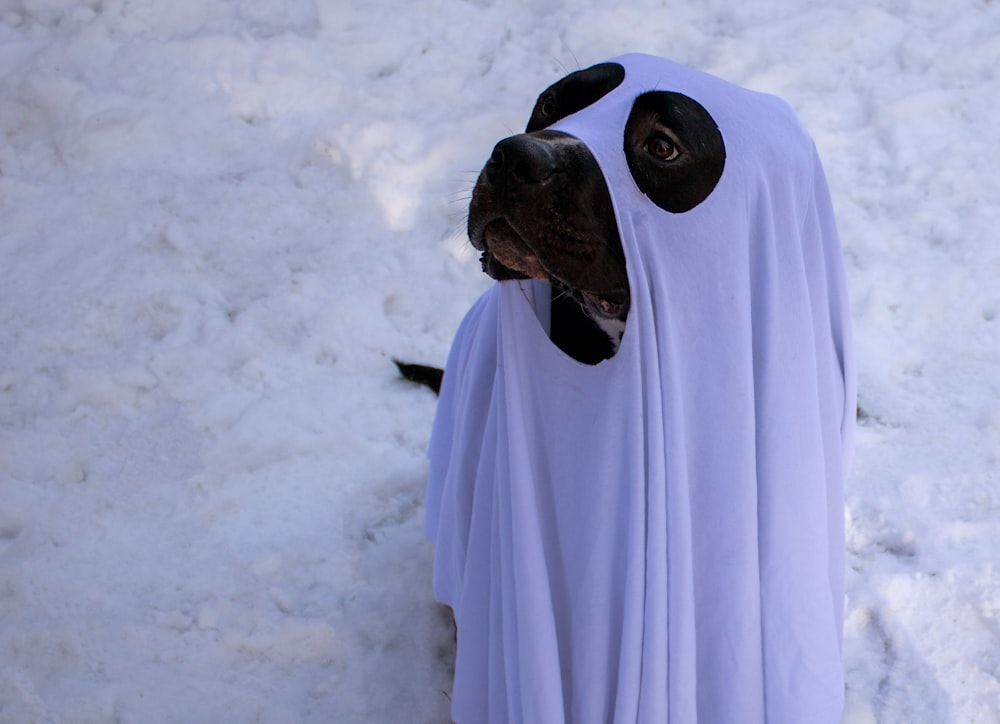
(583, 514)
(541, 208)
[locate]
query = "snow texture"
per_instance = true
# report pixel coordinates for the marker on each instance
(219, 220)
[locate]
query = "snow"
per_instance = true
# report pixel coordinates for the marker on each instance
(220, 220)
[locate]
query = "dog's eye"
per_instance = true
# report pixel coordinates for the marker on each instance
(548, 105)
(574, 93)
(662, 148)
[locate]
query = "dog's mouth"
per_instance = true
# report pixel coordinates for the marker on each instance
(505, 253)
(610, 305)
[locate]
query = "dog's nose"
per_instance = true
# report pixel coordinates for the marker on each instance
(521, 159)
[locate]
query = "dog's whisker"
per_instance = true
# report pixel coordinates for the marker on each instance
(561, 293)
(566, 71)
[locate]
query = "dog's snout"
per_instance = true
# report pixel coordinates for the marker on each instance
(521, 159)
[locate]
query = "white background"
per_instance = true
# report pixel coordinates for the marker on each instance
(220, 220)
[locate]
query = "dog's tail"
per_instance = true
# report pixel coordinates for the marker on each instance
(421, 374)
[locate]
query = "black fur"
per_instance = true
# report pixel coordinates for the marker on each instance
(421, 374)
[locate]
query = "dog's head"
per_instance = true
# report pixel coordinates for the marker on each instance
(541, 208)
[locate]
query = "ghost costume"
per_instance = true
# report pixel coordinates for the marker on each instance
(659, 537)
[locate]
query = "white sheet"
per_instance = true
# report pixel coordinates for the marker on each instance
(659, 538)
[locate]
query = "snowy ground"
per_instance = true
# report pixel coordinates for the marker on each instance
(218, 222)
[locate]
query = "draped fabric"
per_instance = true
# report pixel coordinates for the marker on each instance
(659, 537)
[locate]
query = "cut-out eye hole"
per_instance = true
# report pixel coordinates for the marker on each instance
(574, 93)
(674, 150)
